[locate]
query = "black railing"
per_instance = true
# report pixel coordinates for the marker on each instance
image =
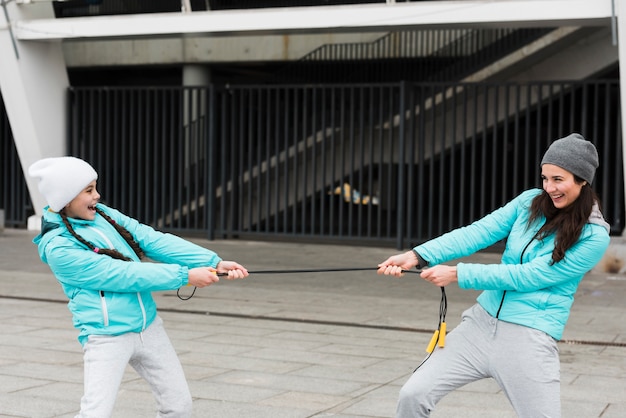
(391, 164)
(14, 196)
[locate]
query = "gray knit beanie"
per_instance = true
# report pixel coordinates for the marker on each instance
(574, 154)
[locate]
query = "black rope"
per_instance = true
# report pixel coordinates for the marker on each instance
(440, 334)
(294, 271)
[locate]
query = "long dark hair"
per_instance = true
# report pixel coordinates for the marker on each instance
(106, 251)
(566, 223)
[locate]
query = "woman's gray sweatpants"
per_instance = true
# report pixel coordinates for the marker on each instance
(522, 360)
(151, 354)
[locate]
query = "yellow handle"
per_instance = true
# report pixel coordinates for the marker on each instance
(433, 341)
(442, 334)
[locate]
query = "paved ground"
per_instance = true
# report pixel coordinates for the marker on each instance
(293, 345)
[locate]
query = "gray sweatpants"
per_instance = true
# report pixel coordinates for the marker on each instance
(151, 354)
(522, 360)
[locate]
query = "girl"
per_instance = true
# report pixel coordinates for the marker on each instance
(95, 252)
(553, 238)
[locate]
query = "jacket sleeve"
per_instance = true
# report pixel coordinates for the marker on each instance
(477, 236)
(538, 273)
(163, 247)
(75, 266)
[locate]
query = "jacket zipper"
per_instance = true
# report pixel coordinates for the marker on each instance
(504, 292)
(103, 303)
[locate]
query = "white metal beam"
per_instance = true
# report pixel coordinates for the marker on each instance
(288, 20)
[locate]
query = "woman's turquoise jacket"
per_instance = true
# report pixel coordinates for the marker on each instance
(525, 288)
(109, 296)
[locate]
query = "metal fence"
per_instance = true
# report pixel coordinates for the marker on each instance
(388, 164)
(14, 197)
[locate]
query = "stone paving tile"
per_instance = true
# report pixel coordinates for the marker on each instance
(241, 363)
(16, 405)
(220, 391)
(205, 408)
(614, 411)
(289, 382)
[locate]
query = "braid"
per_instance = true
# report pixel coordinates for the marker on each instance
(124, 233)
(110, 252)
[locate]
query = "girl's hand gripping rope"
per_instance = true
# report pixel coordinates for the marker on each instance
(202, 276)
(231, 270)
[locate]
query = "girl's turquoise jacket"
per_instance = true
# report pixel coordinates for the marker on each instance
(109, 296)
(525, 288)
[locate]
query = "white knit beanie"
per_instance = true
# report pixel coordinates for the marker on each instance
(61, 179)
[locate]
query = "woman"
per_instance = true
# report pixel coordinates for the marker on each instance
(553, 238)
(95, 253)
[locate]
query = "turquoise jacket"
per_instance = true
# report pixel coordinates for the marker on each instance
(531, 291)
(109, 296)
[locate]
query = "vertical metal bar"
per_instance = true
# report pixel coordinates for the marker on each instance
(296, 168)
(248, 141)
(267, 197)
(351, 106)
(473, 183)
(238, 177)
(439, 156)
(362, 100)
(374, 95)
(483, 153)
(419, 91)
(224, 110)
(335, 201)
(464, 179)
(210, 161)
(527, 139)
(280, 113)
(401, 168)
(315, 134)
(386, 99)
(289, 112)
(410, 126)
(452, 194)
(342, 160)
(505, 145)
(327, 183)
(303, 139)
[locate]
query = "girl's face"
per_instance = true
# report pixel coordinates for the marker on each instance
(560, 185)
(83, 206)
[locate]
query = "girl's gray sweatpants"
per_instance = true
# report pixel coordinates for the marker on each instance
(151, 354)
(522, 360)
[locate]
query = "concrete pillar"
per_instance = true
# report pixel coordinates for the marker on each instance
(33, 83)
(196, 75)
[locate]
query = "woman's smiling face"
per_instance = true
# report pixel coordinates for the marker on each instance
(83, 206)
(560, 185)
